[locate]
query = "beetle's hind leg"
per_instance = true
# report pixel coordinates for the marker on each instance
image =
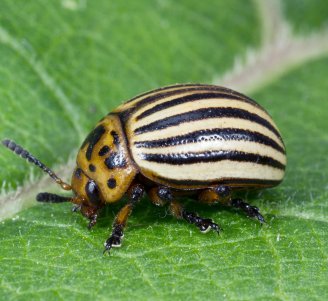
(222, 194)
(250, 211)
(135, 193)
(162, 195)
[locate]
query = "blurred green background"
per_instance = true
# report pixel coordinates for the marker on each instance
(64, 64)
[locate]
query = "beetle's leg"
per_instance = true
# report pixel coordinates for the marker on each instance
(76, 208)
(222, 194)
(215, 194)
(162, 195)
(135, 193)
(89, 212)
(250, 211)
(203, 224)
(156, 197)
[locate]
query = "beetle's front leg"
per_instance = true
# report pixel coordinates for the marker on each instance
(135, 193)
(89, 212)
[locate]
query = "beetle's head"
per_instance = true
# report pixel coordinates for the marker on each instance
(86, 191)
(104, 168)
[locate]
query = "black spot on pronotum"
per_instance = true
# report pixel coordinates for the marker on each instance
(92, 192)
(115, 160)
(111, 183)
(116, 138)
(93, 139)
(92, 168)
(78, 173)
(104, 150)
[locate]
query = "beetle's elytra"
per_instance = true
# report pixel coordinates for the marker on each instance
(203, 141)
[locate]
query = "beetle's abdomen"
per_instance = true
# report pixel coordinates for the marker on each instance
(194, 136)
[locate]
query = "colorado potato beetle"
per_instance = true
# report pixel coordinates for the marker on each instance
(195, 140)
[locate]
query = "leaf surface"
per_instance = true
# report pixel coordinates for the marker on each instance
(65, 64)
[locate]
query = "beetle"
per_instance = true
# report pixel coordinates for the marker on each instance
(196, 140)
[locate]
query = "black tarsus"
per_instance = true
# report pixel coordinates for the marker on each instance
(76, 208)
(115, 239)
(92, 221)
(203, 224)
(250, 211)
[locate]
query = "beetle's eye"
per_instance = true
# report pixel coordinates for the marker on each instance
(92, 191)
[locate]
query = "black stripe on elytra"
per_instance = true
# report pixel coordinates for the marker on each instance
(227, 134)
(227, 181)
(191, 87)
(92, 139)
(162, 94)
(162, 89)
(211, 156)
(115, 160)
(125, 115)
(185, 99)
(202, 114)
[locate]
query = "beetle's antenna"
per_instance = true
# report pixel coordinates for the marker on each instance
(18, 150)
(46, 197)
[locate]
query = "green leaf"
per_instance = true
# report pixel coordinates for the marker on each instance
(65, 64)
(306, 16)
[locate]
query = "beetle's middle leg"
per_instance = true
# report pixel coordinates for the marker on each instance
(222, 194)
(162, 195)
